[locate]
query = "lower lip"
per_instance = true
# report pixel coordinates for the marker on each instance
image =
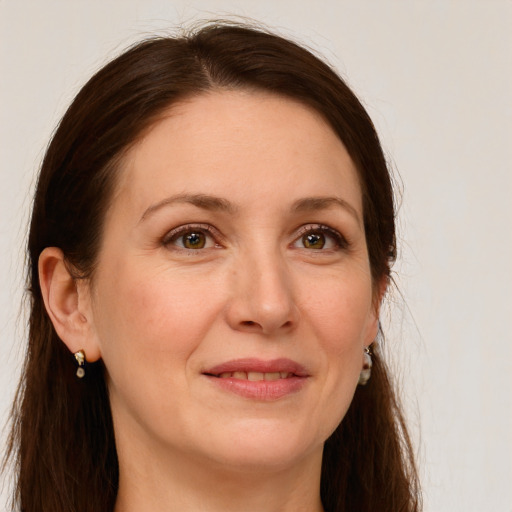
(263, 390)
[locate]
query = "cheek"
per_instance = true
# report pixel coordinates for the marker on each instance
(148, 317)
(341, 313)
(341, 318)
(148, 327)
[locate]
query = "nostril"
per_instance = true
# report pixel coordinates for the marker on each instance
(248, 323)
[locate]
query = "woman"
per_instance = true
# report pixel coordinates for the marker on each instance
(211, 240)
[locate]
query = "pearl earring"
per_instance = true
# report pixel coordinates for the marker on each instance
(80, 359)
(366, 372)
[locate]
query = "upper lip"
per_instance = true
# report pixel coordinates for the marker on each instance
(258, 365)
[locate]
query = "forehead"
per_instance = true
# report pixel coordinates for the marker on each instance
(265, 144)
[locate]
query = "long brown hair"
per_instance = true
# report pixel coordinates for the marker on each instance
(62, 438)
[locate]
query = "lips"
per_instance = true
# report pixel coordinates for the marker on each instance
(253, 365)
(259, 379)
(255, 376)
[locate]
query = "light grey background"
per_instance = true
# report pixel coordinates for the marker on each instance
(436, 76)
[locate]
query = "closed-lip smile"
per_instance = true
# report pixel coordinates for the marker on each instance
(259, 379)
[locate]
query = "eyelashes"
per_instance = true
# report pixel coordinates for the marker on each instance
(194, 238)
(318, 237)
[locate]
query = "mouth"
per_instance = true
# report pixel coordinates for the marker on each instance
(258, 379)
(255, 376)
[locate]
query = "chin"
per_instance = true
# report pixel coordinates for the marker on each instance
(267, 445)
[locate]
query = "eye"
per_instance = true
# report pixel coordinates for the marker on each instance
(317, 237)
(190, 238)
(193, 240)
(314, 240)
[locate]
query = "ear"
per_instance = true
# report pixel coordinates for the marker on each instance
(380, 290)
(68, 304)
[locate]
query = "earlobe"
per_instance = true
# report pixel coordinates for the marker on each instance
(67, 304)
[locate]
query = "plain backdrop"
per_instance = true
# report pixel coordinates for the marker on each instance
(436, 77)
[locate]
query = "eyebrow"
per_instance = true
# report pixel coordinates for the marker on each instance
(324, 203)
(202, 201)
(213, 203)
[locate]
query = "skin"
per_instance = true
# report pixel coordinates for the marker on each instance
(159, 313)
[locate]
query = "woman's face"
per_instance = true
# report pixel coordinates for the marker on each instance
(233, 298)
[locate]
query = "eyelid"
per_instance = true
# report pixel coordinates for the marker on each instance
(340, 240)
(206, 229)
(217, 238)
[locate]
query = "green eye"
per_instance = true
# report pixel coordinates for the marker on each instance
(314, 240)
(194, 240)
(321, 238)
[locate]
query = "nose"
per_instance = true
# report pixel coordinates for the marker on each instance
(262, 299)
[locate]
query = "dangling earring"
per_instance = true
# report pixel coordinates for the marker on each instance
(366, 372)
(80, 359)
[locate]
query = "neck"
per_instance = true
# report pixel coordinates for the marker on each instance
(173, 482)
